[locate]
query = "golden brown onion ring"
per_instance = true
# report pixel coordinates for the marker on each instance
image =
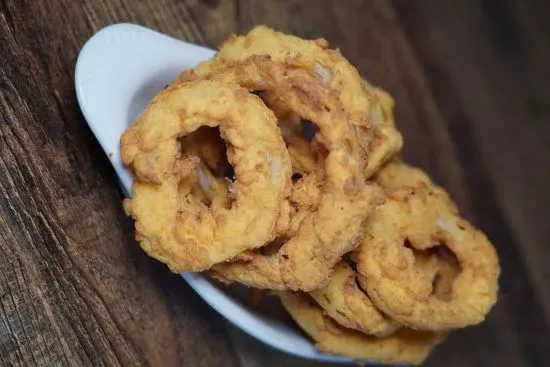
(172, 224)
(418, 218)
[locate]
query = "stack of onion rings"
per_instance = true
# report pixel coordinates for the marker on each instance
(267, 166)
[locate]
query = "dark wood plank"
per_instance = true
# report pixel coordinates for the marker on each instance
(472, 91)
(74, 286)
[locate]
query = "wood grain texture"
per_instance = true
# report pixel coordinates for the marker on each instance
(473, 100)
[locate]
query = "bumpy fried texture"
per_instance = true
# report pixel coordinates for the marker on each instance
(266, 60)
(397, 174)
(305, 156)
(262, 270)
(418, 219)
(257, 269)
(172, 223)
(318, 85)
(381, 141)
(345, 302)
(404, 346)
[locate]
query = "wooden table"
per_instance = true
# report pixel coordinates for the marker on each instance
(472, 86)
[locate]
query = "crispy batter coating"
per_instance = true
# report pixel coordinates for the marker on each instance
(418, 219)
(345, 302)
(265, 270)
(172, 223)
(318, 85)
(403, 346)
(381, 141)
(397, 174)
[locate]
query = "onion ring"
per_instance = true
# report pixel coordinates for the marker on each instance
(418, 218)
(404, 346)
(172, 224)
(335, 104)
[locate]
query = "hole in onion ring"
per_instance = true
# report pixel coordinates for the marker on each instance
(214, 175)
(448, 268)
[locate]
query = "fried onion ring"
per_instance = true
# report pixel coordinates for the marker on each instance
(419, 218)
(172, 224)
(404, 346)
